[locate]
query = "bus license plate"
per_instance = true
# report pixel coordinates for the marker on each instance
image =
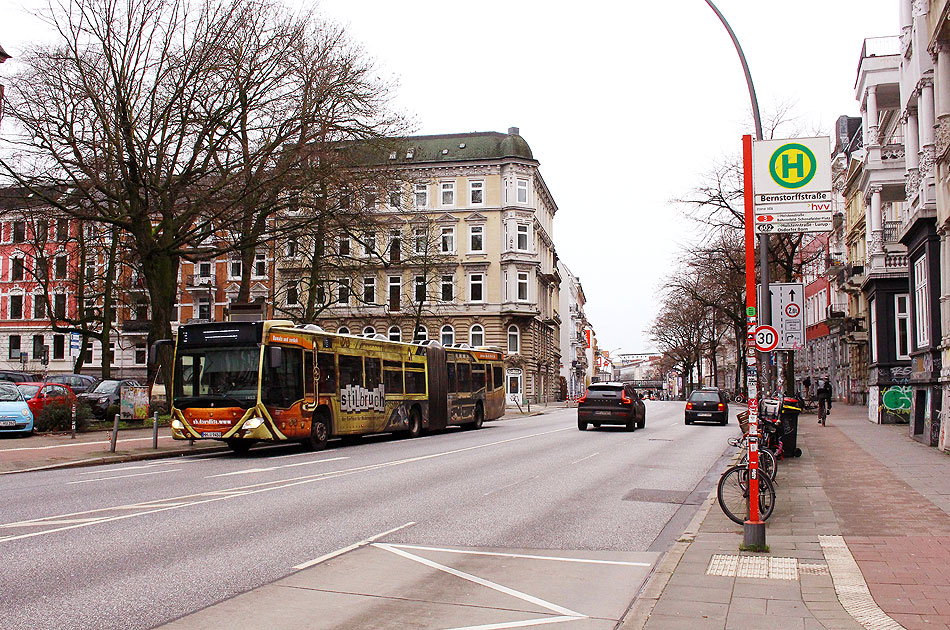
(211, 434)
(7, 423)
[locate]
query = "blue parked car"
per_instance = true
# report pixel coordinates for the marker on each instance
(15, 415)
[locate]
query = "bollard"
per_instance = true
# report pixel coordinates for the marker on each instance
(115, 433)
(73, 435)
(155, 430)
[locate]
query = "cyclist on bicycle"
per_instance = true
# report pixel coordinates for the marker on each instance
(823, 394)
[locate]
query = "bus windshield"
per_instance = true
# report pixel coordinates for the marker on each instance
(208, 375)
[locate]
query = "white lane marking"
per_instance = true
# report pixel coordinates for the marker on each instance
(100, 471)
(44, 448)
(502, 488)
(259, 470)
(224, 494)
(585, 458)
(348, 548)
(154, 472)
(531, 599)
(520, 624)
(472, 552)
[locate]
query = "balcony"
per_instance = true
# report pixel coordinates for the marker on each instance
(895, 262)
(891, 228)
(199, 281)
(520, 308)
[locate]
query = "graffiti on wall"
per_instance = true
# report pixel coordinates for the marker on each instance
(897, 399)
(901, 372)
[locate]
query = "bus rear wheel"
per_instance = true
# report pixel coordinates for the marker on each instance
(415, 424)
(319, 433)
(478, 420)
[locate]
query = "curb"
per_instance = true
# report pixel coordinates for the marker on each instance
(118, 459)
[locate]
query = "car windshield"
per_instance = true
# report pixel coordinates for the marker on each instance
(29, 391)
(9, 393)
(704, 397)
(605, 388)
(106, 387)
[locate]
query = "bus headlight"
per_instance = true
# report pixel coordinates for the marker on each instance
(252, 423)
(177, 425)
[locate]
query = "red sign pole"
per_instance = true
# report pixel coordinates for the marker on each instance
(754, 527)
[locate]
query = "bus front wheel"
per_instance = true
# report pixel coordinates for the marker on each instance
(479, 418)
(415, 424)
(240, 447)
(319, 433)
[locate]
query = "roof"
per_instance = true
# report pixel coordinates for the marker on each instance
(455, 147)
(3, 55)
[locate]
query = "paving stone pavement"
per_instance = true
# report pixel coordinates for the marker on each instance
(864, 515)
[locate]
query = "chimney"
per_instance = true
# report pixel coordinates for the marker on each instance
(513, 131)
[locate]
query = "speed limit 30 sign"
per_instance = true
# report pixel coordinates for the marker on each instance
(766, 338)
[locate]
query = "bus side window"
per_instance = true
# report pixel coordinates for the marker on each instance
(415, 379)
(497, 377)
(478, 378)
(464, 373)
(393, 379)
(282, 383)
(374, 373)
(327, 373)
(351, 371)
(308, 373)
(450, 370)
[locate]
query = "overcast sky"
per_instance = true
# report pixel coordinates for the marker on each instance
(625, 105)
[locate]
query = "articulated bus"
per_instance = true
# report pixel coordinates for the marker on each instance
(246, 382)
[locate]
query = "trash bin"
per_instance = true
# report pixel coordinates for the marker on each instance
(791, 407)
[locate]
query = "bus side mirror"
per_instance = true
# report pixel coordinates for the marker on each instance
(275, 356)
(155, 351)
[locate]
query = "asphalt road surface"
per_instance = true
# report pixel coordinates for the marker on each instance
(140, 544)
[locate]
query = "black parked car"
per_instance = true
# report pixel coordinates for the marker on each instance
(105, 395)
(707, 404)
(79, 383)
(12, 376)
(611, 403)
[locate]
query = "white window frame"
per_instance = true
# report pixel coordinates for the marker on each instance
(521, 186)
(394, 281)
(872, 329)
(471, 285)
(369, 331)
(343, 330)
(447, 188)
(420, 238)
(898, 318)
(522, 229)
(523, 281)
(231, 263)
(371, 285)
(259, 259)
(417, 283)
(476, 329)
(343, 284)
(292, 247)
(395, 333)
(514, 333)
(451, 284)
(476, 185)
(473, 231)
(921, 301)
(447, 330)
(447, 237)
(421, 194)
(296, 295)
(421, 334)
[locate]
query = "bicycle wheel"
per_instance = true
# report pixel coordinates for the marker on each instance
(768, 463)
(733, 495)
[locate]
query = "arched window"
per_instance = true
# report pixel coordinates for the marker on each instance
(369, 330)
(343, 330)
(422, 333)
(514, 340)
(476, 335)
(395, 333)
(448, 335)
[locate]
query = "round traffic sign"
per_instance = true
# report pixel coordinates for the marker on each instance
(766, 338)
(792, 310)
(793, 165)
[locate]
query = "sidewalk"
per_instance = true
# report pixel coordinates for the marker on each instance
(860, 538)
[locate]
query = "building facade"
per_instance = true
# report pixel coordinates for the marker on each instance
(576, 368)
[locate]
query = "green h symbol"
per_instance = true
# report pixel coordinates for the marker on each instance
(798, 164)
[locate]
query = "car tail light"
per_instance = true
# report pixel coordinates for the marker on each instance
(582, 398)
(689, 405)
(721, 407)
(624, 400)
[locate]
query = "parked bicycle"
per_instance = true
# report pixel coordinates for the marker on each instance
(733, 494)
(768, 463)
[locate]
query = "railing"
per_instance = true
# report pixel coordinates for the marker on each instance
(890, 152)
(199, 281)
(890, 231)
(881, 46)
(895, 261)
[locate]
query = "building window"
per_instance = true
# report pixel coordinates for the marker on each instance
(90, 276)
(395, 246)
(448, 240)
(204, 308)
(344, 246)
(476, 335)
(38, 343)
(522, 243)
(476, 239)
(59, 306)
(395, 333)
(41, 267)
(420, 240)
(448, 193)
(872, 329)
(39, 306)
(141, 354)
(17, 269)
(448, 335)
(522, 287)
(476, 193)
(342, 330)
(204, 269)
(394, 201)
(395, 293)
(514, 340)
(61, 264)
(321, 294)
(522, 191)
(921, 302)
(475, 286)
(422, 195)
(14, 348)
(293, 295)
(369, 290)
(19, 235)
(260, 265)
(902, 325)
(343, 291)
(62, 230)
(16, 307)
(293, 245)
(448, 288)
(369, 199)
(234, 268)
(420, 284)
(59, 347)
(422, 333)
(369, 331)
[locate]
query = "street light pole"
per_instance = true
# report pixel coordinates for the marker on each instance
(754, 528)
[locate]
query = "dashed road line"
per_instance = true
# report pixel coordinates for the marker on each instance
(472, 552)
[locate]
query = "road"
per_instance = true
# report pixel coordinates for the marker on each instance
(140, 544)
